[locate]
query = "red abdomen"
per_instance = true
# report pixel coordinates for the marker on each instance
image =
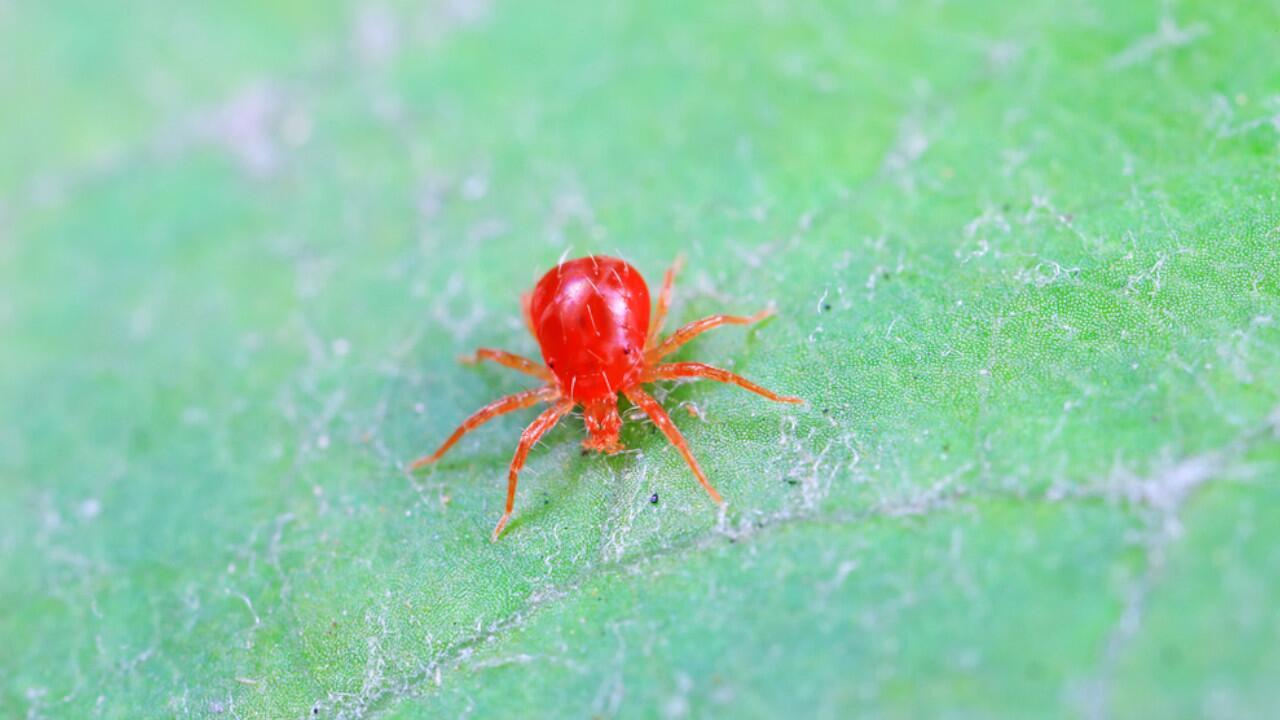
(590, 317)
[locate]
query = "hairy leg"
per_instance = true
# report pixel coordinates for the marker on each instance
(660, 418)
(664, 302)
(696, 328)
(528, 439)
(511, 360)
(678, 370)
(498, 407)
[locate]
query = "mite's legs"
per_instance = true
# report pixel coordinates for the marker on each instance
(664, 302)
(702, 370)
(486, 413)
(696, 328)
(528, 439)
(660, 418)
(511, 360)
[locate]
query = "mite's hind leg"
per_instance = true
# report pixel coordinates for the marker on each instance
(664, 302)
(660, 418)
(528, 439)
(498, 407)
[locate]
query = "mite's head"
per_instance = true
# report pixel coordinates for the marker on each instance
(603, 424)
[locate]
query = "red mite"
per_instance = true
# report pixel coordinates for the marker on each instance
(590, 317)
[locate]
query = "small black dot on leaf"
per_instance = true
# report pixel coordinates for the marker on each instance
(653, 499)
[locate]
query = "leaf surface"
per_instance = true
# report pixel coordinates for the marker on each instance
(1027, 266)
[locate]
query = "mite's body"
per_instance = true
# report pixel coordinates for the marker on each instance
(591, 319)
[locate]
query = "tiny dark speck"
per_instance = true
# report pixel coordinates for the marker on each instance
(585, 452)
(826, 411)
(885, 275)
(653, 499)
(826, 307)
(793, 482)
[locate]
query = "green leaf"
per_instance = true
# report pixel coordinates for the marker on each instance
(1027, 265)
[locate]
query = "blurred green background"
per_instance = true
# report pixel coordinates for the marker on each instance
(1027, 262)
